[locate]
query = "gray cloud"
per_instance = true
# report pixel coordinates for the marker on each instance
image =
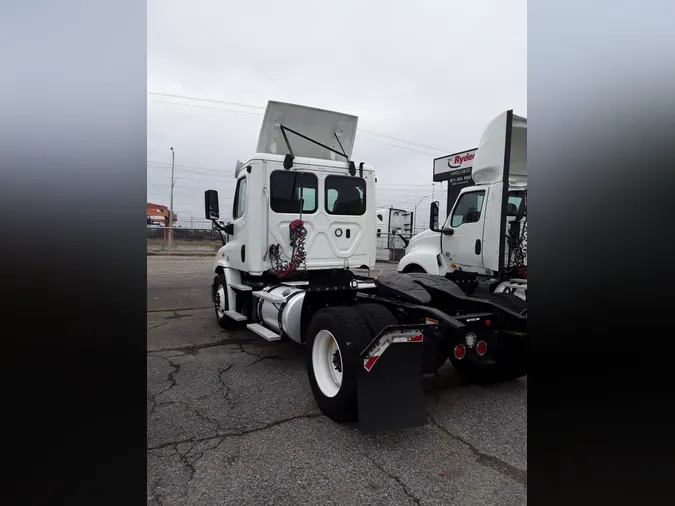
(430, 72)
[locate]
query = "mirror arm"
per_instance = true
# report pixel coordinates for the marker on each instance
(220, 228)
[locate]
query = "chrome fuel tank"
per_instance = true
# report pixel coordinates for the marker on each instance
(289, 324)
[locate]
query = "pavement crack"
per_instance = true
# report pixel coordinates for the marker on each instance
(221, 436)
(177, 309)
(190, 460)
(266, 357)
(226, 388)
(403, 486)
(247, 352)
(174, 316)
(171, 378)
(274, 424)
(157, 326)
(190, 349)
(502, 467)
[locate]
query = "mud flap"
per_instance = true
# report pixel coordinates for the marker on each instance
(389, 388)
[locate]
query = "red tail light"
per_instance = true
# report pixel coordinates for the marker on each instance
(459, 352)
(481, 348)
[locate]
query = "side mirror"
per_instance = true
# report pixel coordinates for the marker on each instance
(433, 216)
(211, 211)
(229, 229)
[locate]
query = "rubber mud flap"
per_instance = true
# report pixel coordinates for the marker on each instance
(391, 396)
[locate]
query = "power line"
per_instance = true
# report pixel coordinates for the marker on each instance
(199, 99)
(396, 146)
(206, 107)
(399, 139)
(238, 104)
(416, 198)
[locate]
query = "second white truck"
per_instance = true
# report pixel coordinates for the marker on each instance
(482, 245)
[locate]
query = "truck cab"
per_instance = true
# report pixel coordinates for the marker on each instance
(484, 233)
(337, 209)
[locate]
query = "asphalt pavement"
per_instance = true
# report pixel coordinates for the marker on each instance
(231, 420)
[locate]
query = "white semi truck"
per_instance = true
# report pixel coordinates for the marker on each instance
(482, 246)
(304, 218)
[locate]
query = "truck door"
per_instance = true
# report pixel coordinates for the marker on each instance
(235, 249)
(465, 246)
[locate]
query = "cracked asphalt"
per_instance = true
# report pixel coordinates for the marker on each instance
(231, 420)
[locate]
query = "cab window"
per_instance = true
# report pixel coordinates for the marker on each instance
(239, 199)
(345, 195)
(516, 198)
(468, 209)
(288, 187)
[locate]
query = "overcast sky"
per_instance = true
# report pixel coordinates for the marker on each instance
(427, 72)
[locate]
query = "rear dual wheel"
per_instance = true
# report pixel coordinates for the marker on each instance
(335, 338)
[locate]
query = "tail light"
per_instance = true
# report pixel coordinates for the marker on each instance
(481, 348)
(459, 352)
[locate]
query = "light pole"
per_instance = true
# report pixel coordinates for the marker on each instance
(173, 160)
(415, 214)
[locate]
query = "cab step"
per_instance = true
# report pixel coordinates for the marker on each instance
(237, 317)
(295, 283)
(275, 299)
(263, 332)
(240, 287)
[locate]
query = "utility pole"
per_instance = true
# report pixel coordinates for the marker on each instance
(415, 213)
(173, 181)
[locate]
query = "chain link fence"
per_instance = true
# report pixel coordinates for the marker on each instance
(187, 260)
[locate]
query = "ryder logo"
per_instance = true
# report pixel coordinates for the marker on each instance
(457, 161)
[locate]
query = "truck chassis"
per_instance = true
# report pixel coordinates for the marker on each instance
(354, 329)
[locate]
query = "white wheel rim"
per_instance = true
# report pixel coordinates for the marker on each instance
(220, 304)
(328, 375)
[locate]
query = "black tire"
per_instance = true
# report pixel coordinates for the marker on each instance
(377, 317)
(225, 321)
(352, 335)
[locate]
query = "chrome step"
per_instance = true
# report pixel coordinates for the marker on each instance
(366, 286)
(240, 287)
(270, 297)
(263, 332)
(237, 317)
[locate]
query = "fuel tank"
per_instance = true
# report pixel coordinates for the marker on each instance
(283, 318)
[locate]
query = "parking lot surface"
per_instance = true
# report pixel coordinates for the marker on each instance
(231, 420)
